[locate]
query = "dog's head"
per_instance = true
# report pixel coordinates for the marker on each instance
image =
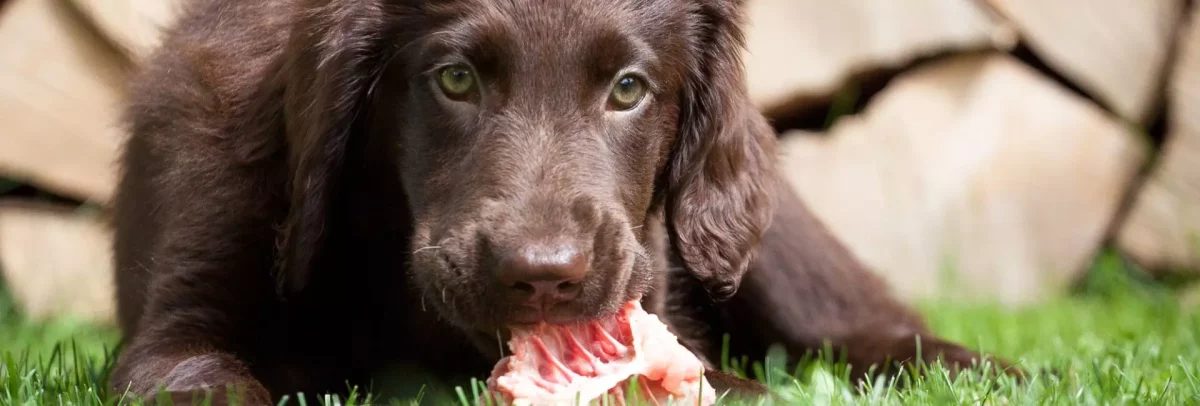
(534, 139)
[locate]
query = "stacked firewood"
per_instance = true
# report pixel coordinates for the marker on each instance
(990, 150)
(972, 149)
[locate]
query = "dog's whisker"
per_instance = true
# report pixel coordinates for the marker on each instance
(426, 248)
(639, 253)
(423, 303)
(500, 343)
(443, 295)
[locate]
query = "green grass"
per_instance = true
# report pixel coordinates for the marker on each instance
(1119, 342)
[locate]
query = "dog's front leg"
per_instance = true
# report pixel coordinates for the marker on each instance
(202, 329)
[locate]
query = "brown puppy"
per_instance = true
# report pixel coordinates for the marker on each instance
(324, 192)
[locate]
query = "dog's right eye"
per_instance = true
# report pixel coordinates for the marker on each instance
(457, 81)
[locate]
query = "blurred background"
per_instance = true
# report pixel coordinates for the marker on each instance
(977, 150)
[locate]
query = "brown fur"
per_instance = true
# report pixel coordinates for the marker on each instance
(300, 208)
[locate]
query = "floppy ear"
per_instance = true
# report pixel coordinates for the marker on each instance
(721, 179)
(331, 61)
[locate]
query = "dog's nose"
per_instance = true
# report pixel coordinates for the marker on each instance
(542, 273)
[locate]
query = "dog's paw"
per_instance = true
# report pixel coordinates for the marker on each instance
(212, 379)
(957, 358)
(735, 388)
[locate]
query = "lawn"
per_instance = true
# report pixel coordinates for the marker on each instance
(1117, 341)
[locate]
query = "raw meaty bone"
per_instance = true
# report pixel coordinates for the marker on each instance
(580, 363)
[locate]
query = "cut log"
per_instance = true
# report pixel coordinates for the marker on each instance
(59, 95)
(972, 178)
(133, 25)
(799, 51)
(1113, 49)
(1162, 232)
(57, 261)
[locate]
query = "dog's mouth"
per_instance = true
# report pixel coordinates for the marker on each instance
(526, 317)
(585, 361)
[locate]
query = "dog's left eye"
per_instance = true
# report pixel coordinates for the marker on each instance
(457, 82)
(626, 93)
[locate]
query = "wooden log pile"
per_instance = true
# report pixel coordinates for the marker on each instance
(1163, 229)
(995, 147)
(62, 66)
(955, 165)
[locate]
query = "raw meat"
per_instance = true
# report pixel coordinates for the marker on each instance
(580, 363)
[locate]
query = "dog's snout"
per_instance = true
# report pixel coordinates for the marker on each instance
(545, 273)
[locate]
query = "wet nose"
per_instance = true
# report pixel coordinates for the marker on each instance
(544, 273)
